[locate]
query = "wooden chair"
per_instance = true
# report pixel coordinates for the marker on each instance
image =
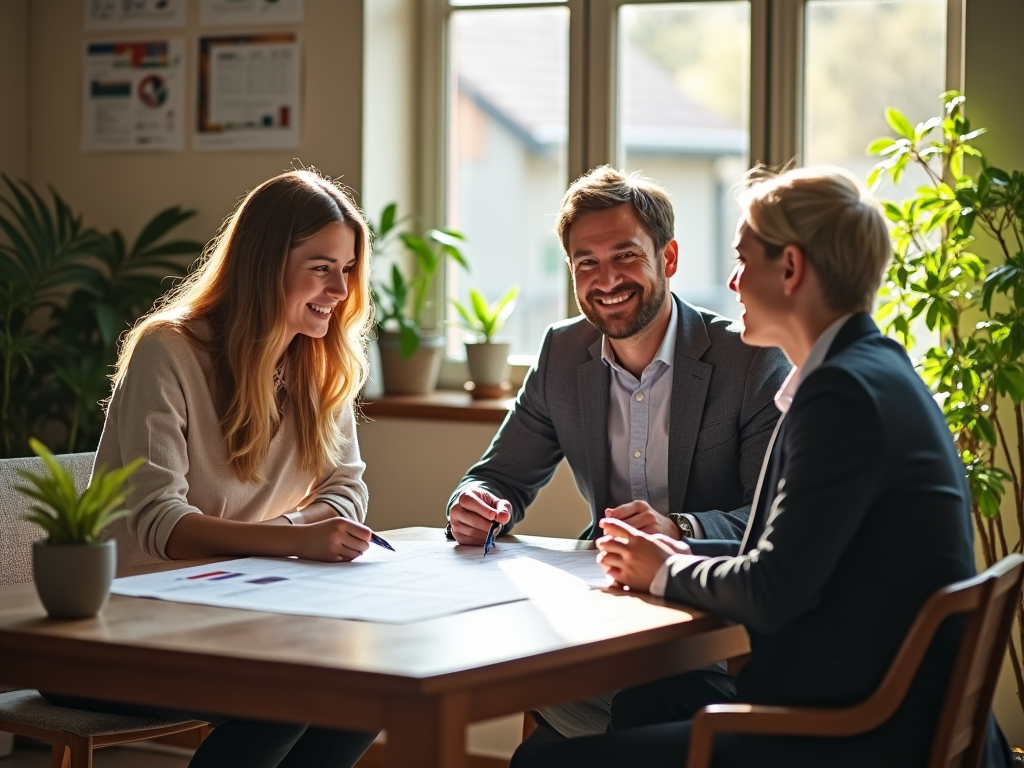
(73, 733)
(990, 599)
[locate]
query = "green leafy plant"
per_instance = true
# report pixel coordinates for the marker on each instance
(66, 517)
(485, 319)
(67, 292)
(977, 312)
(401, 302)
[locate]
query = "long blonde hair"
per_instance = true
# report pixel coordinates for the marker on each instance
(238, 289)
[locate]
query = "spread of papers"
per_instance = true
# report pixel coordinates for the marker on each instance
(422, 580)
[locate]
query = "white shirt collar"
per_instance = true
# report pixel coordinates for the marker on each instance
(784, 397)
(666, 352)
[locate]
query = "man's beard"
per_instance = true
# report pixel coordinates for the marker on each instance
(648, 306)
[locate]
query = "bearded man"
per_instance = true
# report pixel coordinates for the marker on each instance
(662, 412)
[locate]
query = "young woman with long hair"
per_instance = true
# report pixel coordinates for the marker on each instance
(237, 390)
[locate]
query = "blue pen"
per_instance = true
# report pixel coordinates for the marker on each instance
(375, 539)
(491, 533)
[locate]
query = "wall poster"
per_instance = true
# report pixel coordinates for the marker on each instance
(249, 92)
(213, 13)
(133, 14)
(133, 96)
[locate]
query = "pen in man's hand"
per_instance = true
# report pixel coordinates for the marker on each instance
(375, 539)
(491, 533)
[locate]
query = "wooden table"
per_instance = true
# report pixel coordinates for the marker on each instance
(423, 682)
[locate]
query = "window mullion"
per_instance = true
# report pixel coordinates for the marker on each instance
(784, 92)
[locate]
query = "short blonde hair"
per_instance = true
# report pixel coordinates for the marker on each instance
(834, 220)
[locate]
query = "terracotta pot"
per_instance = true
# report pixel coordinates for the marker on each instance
(488, 368)
(416, 375)
(73, 580)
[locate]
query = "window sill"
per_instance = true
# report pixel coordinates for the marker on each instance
(441, 405)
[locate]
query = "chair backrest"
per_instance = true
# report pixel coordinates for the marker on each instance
(16, 535)
(960, 736)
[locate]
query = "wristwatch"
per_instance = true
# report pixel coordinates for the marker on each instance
(684, 524)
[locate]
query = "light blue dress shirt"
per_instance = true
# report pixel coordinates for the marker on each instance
(638, 424)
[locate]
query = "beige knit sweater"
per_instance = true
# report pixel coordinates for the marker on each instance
(163, 411)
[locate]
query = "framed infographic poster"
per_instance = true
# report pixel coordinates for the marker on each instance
(133, 96)
(249, 92)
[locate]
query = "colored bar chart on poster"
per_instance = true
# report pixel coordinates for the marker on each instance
(133, 96)
(249, 91)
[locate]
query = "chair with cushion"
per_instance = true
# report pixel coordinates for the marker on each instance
(73, 733)
(989, 601)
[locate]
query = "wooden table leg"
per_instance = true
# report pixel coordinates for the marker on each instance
(427, 733)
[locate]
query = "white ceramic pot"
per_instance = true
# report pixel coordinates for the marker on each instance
(73, 580)
(488, 367)
(416, 375)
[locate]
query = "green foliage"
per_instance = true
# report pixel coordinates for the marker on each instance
(400, 303)
(67, 292)
(976, 370)
(66, 517)
(485, 319)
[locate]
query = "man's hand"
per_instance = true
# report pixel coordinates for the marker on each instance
(632, 558)
(643, 517)
(472, 513)
(331, 541)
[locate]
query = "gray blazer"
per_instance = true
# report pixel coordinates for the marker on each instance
(723, 414)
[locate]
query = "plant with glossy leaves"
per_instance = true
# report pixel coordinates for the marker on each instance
(486, 320)
(67, 292)
(66, 517)
(401, 303)
(977, 312)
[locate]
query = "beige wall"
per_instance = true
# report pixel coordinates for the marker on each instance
(413, 465)
(14, 103)
(992, 63)
(125, 189)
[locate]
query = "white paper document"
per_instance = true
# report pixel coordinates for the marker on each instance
(421, 580)
(133, 14)
(133, 96)
(233, 12)
(249, 92)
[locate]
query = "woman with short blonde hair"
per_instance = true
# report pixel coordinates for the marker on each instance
(832, 217)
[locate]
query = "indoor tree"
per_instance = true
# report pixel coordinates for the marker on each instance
(974, 306)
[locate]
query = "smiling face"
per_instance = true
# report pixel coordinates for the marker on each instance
(759, 283)
(316, 280)
(621, 283)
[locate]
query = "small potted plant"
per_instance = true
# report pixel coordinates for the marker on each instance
(410, 354)
(73, 566)
(487, 358)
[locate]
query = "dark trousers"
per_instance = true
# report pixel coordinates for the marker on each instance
(670, 700)
(248, 743)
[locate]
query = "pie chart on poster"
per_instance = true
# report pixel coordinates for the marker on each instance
(153, 91)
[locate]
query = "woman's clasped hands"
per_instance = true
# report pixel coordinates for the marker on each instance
(632, 558)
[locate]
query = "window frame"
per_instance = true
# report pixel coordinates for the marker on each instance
(776, 93)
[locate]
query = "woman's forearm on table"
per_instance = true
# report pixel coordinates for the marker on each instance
(197, 536)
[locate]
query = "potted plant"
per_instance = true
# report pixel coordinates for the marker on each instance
(73, 566)
(410, 353)
(976, 311)
(67, 293)
(487, 358)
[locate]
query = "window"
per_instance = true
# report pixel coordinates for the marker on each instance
(684, 121)
(507, 136)
(691, 93)
(846, 92)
